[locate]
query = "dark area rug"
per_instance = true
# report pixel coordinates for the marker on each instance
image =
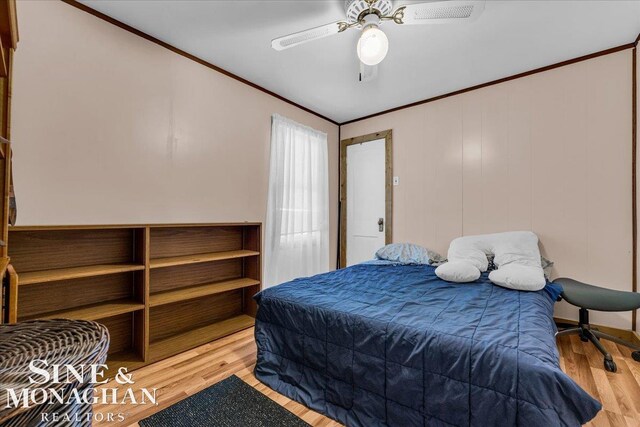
(229, 403)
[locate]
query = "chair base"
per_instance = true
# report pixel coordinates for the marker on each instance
(587, 334)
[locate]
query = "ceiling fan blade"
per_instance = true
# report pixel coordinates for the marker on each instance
(440, 12)
(311, 34)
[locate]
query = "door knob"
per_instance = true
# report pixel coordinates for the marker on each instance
(381, 224)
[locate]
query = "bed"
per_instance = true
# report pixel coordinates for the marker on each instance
(383, 344)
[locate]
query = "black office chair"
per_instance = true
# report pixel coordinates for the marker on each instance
(589, 297)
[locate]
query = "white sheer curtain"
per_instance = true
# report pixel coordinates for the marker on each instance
(297, 230)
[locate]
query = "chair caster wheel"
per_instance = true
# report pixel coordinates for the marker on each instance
(610, 365)
(636, 356)
(584, 338)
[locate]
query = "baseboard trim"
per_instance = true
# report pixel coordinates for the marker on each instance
(625, 334)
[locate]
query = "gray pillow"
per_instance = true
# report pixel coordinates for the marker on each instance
(408, 253)
(546, 266)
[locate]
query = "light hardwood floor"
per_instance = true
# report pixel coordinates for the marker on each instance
(619, 393)
(187, 373)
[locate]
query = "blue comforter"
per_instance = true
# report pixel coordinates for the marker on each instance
(391, 345)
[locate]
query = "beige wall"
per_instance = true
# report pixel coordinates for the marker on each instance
(550, 152)
(111, 128)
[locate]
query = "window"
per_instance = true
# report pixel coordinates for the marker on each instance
(297, 230)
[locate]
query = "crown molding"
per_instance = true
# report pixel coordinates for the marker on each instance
(214, 67)
(187, 55)
(498, 81)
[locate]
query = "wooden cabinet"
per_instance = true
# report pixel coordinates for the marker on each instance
(8, 43)
(159, 289)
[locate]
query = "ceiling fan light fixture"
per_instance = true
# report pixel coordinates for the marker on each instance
(367, 15)
(373, 45)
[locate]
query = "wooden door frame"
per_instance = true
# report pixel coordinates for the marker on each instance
(387, 135)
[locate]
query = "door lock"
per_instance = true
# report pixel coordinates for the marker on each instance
(381, 224)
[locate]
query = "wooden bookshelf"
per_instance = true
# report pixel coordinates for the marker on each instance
(8, 44)
(160, 289)
(198, 258)
(197, 291)
(4, 263)
(194, 337)
(76, 273)
(94, 311)
(127, 359)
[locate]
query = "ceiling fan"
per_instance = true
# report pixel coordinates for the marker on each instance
(369, 15)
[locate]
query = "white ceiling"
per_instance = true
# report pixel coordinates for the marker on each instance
(423, 61)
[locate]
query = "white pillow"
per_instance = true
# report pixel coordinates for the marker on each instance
(469, 249)
(458, 271)
(516, 256)
(517, 247)
(520, 277)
